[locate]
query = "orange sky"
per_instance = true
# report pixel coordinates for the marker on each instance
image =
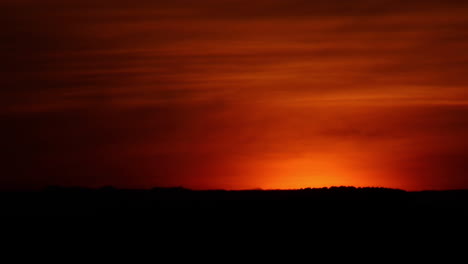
(234, 94)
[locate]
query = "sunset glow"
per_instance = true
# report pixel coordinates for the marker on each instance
(234, 94)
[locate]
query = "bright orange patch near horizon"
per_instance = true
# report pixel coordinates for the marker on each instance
(302, 173)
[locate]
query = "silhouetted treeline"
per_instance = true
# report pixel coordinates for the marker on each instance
(344, 199)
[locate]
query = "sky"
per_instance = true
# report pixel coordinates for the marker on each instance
(234, 94)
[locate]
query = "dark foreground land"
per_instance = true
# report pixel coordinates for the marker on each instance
(83, 201)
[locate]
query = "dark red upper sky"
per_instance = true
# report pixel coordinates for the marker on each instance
(234, 94)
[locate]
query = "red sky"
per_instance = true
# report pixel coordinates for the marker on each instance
(234, 94)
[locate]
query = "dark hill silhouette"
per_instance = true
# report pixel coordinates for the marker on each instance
(108, 200)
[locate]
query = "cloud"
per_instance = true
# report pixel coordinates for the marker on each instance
(215, 86)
